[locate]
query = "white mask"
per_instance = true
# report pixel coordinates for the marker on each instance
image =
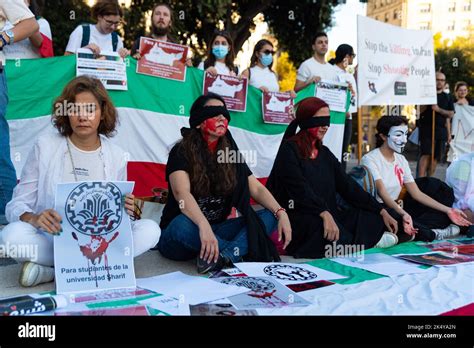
(397, 138)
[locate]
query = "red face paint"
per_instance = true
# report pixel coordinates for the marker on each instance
(315, 132)
(215, 128)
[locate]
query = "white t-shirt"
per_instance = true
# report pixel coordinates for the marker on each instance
(24, 49)
(344, 77)
(393, 174)
(104, 41)
(89, 165)
(221, 68)
(14, 11)
(264, 77)
(311, 67)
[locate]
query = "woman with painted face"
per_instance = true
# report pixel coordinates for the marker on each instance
(260, 73)
(391, 172)
(85, 118)
(305, 179)
(220, 55)
(207, 176)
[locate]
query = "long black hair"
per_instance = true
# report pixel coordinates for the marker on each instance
(258, 46)
(341, 52)
(384, 124)
(229, 59)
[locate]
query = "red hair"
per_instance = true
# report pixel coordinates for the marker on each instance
(306, 109)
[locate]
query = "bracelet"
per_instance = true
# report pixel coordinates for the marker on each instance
(277, 211)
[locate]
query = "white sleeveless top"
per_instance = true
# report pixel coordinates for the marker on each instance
(264, 77)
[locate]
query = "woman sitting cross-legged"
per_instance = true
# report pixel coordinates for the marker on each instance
(208, 176)
(391, 172)
(305, 179)
(80, 151)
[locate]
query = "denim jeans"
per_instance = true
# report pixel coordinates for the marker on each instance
(180, 240)
(7, 171)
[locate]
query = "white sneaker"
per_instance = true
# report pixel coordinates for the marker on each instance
(388, 240)
(33, 274)
(448, 232)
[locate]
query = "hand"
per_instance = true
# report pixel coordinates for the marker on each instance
(293, 94)
(137, 56)
(123, 52)
(408, 225)
(435, 108)
(49, 220)
(331, 231)
(264, 89)
(129, 204)
(284, 228)
(212, 70)
(314, 79)
(94, 48)
(458, 217)
(209, 245)
(389, 221)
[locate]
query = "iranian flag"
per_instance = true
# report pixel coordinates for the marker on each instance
(151, 114)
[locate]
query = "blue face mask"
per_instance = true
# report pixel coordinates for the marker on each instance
(220, 51)
(266, 59)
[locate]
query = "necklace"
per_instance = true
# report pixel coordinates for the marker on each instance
(72, 160)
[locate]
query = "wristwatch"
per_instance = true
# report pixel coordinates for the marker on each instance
(10, 35)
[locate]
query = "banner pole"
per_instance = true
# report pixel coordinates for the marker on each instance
(431, 171)
(359, 134)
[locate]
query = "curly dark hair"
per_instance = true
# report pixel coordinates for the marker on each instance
(207, 176)
(78, 85)
(384, 124)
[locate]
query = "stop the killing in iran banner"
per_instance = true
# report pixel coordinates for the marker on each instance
(396, 65)
(151, 114)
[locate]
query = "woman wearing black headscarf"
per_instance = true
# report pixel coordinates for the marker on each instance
(305, 179)
(208, 176)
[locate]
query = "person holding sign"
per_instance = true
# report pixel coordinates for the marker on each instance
(444, 112)
(391, 172)
(315, 69)
(220, 55)
(344, 57)
(305, 179)
(102, 36)
(207, 176)
(260, 73)
(81, 151)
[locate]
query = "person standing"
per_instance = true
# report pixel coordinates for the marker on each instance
(220, 55)
(24, 25)
(344, 57)
(444, 112)
(101, 36)
(315, 69)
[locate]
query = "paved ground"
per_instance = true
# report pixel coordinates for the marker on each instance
(146, 265)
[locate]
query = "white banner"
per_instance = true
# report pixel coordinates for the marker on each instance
(396, 65)
(463, 130)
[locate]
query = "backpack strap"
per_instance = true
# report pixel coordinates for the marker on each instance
(114, 41)
(86, 35)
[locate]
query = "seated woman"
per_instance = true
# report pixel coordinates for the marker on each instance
(82, 142)
(460, 176)
(305, 179)
(391, 171)
(207, 176)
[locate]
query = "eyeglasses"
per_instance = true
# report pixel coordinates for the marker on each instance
(353, 55)
(112, 23)
(269, 52)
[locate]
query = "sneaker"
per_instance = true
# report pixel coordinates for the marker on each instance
(204, 267)
(448, 232)
(33, 274)
(388, 240)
